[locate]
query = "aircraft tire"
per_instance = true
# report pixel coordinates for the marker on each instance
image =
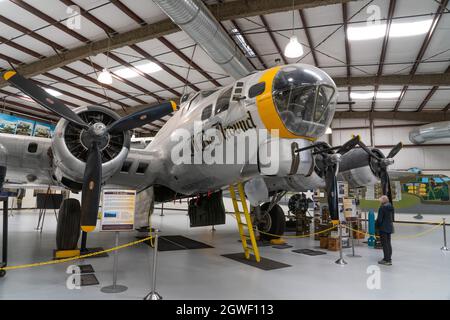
(277, 222)
(68, 226)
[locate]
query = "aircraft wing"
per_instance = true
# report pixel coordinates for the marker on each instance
(400, 175)
(27, 160)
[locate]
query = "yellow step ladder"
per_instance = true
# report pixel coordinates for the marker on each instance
(248, 222)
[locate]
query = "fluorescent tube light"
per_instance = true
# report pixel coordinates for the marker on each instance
(398, 30)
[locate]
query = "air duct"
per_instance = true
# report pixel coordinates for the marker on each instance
(431, 131)
(194, 18)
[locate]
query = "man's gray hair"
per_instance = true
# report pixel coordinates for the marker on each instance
(384, 199)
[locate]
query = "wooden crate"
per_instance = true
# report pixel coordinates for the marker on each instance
(333, 244)
(324, 242)
(359, 235)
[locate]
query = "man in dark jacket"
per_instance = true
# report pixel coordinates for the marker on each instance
(385, 227)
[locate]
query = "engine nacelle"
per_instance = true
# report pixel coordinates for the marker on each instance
(70, 147)
(358, 168)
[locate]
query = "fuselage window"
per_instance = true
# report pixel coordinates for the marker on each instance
(32, 147)
(142, 167)
(206, 113)
(194, 101)
(126, 167)
(256, 89)
(223, 102)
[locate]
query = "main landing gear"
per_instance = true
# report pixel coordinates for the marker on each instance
(270, 219)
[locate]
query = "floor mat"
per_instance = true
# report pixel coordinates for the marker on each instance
(92, 250)
(264, 264)
(86, 268)
(282, 246)
(309, 252)
(173, 243)
(88, 280)
(259, 243)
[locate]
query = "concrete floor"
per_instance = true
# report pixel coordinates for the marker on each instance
(420, 270)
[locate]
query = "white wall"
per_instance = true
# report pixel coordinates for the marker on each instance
(431, 159)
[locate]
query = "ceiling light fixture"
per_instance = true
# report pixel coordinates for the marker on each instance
(409, 29)
(398, 30)
(105, 77)
(128, 73)
(150, 67)
(371, 94)
(294, 48)
(329, 131)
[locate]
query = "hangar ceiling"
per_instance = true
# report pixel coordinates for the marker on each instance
(387, 77)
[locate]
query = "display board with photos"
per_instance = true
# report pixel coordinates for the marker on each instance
(25, 127)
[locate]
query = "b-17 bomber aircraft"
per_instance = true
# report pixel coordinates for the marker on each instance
(261, 131)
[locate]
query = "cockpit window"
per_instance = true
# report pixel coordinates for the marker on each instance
(224, 101)
(303, 101)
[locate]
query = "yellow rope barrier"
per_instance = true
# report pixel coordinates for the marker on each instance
(417, 235)
(38, 264)
(420, 234)
(45, 263)
(293, 237)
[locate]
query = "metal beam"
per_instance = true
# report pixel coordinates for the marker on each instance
(186, 59)
(249, 8)
(392, 4)
(21, 48)
(433, 79)
(68, 69)
(347, 53)
(423, 48)
(425, 116)
(50, 20)
(83, 88)
(149, 57)
(86, 14)
(224, 11)
(309, 38)
(41, 112)
(71, 32)
(129, 12)
(63, 58)
(430, 94)
(272, 37)
(144, 75)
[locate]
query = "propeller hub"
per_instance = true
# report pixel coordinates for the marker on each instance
(335, 158)
(98, 133)
(99, 129)
(387, 162)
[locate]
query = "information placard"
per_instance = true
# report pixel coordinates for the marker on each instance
(118, 208)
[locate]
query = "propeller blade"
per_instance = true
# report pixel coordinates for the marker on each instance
(42, 97)
(349, 145)
(142, 117)
(386, 184)
(369, 152)
(332, 190)
(90, 197)
(395, 150)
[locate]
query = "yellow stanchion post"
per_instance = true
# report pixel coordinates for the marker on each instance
(341, 260)
(153, 295)
(444, 248)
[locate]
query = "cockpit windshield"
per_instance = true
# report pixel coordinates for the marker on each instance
(305, 100)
